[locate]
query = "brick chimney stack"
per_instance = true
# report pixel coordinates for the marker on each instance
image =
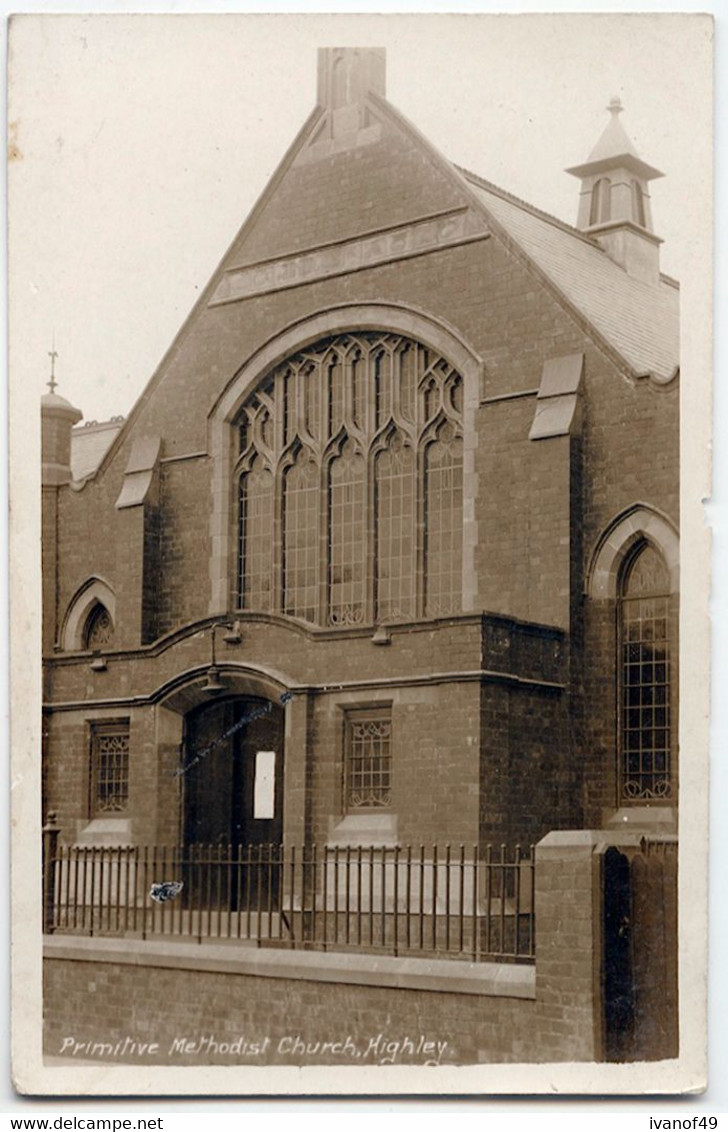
(346, 75)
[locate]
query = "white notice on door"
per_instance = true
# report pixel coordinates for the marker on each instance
(265, 784)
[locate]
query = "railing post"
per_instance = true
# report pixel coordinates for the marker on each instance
(51, 833)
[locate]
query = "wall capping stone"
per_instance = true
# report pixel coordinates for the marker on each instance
(506, 980)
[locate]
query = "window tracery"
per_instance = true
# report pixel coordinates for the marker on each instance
(99, 630)
(368, 761)
(349, 480)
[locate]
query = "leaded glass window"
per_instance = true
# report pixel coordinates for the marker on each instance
(99, 630)
(347, 548)
(349, 473)
(645, 678)
(110, 768)
(443, 524)
(395, 532)
(301, 528)
(368, 771)
(256, 531)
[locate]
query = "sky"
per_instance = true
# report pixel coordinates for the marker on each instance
(145, 141)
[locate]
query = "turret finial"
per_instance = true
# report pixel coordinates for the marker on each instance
(615, 105)
(53, 354)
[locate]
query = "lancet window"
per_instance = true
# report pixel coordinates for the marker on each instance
(645, 677)
(600, 210)
(99, 629)
(350, 484)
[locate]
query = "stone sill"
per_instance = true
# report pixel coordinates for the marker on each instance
(453, 976)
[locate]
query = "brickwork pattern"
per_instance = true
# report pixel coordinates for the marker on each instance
(568, 951)
(527, 774)
(429, 744)
(478, 767)
(107, 1002)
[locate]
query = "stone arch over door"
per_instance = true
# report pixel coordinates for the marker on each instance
(394, 318)
(177, 701)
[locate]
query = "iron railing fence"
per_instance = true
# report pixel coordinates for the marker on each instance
(465, 902)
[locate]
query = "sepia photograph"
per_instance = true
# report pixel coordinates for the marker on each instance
(363, 724)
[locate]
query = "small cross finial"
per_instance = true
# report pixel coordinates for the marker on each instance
(53, 354)
(615, 106)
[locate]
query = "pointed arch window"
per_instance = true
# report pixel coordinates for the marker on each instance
(300, 529)
(638, 198)
(644, 618)
(350, 484)
(601, 201)
(256, 536)
(443, 522)
(98, 631)
(347, 547)
(395, 531)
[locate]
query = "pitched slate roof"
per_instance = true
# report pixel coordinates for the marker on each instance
(638, 320)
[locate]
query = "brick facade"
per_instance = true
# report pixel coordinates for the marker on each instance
(504, 712)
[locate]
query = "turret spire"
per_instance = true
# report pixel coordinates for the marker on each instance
(53, 354)
(614, 204)
(58, 416)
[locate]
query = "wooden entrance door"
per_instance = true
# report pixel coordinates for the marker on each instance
(233, 782)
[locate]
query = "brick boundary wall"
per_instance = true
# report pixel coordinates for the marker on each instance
(112, 991)
(237, 1019)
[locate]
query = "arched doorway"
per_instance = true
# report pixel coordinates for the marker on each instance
(233, 773)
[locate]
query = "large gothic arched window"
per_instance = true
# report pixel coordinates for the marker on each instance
(350, 484)
(645, 677)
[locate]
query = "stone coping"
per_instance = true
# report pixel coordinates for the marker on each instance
(236, 957)
(569, 843)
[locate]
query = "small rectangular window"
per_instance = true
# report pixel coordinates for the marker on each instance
(109, 768)
(368, 760)
(264, 789)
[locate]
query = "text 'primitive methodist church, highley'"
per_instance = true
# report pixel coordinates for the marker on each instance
(385, 556)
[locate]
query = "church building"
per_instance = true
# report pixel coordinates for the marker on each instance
(386, 553)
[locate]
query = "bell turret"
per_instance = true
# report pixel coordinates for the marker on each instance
(58, 416)
(614, 205)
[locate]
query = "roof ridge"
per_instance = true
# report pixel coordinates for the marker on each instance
(506, 195)
(625, 347)
(669, 280)
(93, 425)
